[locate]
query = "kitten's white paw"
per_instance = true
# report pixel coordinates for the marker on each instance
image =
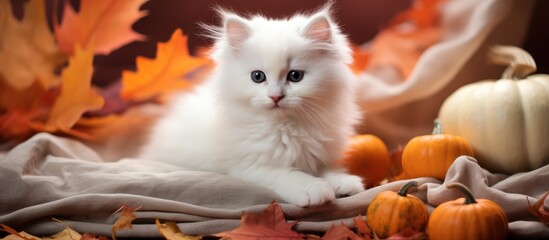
(343, 183)
(313, 193)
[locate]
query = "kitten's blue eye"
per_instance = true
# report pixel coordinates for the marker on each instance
(258, 76)
(295, 75)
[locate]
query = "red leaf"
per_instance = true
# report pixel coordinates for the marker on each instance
(538, 209)
(270, 224)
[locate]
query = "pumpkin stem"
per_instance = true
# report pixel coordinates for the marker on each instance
(437, 129)
(519, 62)
(404, 189)
(469, 198)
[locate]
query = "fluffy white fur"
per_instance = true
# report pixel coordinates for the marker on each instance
(231, 125)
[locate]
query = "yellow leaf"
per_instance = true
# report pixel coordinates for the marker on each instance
(76, 97)
(163, 74)
(14, 235)
(170, 231)
(104, 24)
(28, 52)
(124, 221)
(66, 234)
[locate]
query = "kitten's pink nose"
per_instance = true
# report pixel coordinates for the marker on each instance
(277, 99)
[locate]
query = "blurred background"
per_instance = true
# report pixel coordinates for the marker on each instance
(360, 19)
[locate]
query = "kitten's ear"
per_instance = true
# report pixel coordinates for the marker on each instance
(236, 29)
(319, 27)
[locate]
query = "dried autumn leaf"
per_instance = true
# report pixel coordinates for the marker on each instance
(270, 224)
(28, 52)
(362, 228)
(104, 24)
(538, 209)
(66, 234)
(163, 74)
(77, 95)
(170, 231)
(17, 235)
(124, 221)
(341, 232)
(87, 236)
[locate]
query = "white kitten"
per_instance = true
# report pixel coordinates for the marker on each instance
(278, 110)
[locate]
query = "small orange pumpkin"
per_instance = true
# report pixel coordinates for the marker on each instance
(432, 155)
(367, 157)
(467, 218)
(389, 212)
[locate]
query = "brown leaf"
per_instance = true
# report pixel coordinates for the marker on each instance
(341, 232)
(170, 231)
(28, 52)
(66, 234)
(87, 236)
(538, 209)
(17, 235)
(103, 24)
(163, 74)
(362, 228)
(125, 219)
(270, 224)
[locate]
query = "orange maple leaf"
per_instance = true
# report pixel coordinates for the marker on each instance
(340, 232)
(163, 74)
(105, 24)
(170, 231)
(18, 108)
(362, 228)
(269, 224)
(27, 48)
(410, 33)
(125, 219)
(538, 209)
(76, 97)
(20, 235)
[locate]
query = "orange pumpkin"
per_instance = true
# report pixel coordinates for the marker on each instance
(367, 157)
(432, 155)
(389, 212)
(467, 218)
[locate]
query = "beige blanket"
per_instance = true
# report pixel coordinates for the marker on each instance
(52, 177)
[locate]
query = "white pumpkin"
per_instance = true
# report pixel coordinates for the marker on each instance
(506, 120)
